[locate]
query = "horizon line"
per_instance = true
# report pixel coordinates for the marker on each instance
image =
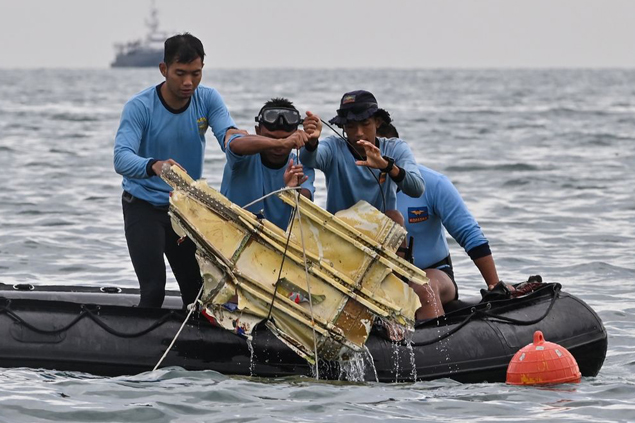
(345, 68)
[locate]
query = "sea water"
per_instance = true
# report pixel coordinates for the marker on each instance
(544, 159)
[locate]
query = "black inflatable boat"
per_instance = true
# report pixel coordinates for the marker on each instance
(98, 330)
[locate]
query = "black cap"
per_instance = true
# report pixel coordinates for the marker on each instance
(356, 106)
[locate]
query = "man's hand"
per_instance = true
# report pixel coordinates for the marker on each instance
(313, 127)
(157, 167)
(373, 156)
(294, 175)
(509, 287)
(295, 140)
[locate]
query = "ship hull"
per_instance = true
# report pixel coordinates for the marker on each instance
(138, 59)
(103, 333)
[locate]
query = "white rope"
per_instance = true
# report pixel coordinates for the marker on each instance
(270, 194)
(191, 308)
(306, 270)
(306, 275)
(308, 287)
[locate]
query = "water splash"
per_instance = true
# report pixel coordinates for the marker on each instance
(371, 361)
(440, 346)
(353, 369)
(252, 362)
(436, 305)
(413, 363)
(395, 354)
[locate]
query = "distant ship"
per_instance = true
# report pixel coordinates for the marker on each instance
(143, 53)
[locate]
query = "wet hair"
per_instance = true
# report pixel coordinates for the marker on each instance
(277, 102)
(387, 130)
(283, 121)
(383, 115)
(182, 48)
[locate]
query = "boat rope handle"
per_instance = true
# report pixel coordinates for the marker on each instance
(93, 317)
(23, 322)
(510, 320)
(475, 312)
(191, 308)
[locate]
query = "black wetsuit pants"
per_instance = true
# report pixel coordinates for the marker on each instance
(150, 235)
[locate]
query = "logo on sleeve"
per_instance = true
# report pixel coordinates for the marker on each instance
(202, 125)
(417, 214)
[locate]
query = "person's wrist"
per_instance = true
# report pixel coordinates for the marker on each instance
(390, 164)
(400, 176)
(311, 145)
(150, 168)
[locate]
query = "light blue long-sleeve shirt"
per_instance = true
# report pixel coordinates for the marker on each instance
(246, 178)
(425, 217)
(348, 183)
(149, 129)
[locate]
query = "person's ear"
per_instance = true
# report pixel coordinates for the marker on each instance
(164, 69)
(257, 129)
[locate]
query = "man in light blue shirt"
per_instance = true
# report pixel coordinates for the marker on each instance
(363, 166)
(425, 218)
(166, 124)
(260, 164)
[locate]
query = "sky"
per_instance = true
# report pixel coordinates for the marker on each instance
(330, 33)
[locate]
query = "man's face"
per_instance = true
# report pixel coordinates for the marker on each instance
(276, 155)
(361, 130)
(182, 78)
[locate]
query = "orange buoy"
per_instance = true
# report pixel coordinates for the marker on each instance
(542, 363)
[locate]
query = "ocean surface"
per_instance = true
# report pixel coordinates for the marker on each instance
(545, 160)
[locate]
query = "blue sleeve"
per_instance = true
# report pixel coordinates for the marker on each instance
(233, 160)
(457, 219)
(309, 183)
(128, 163)
(320, 158)
(218, 117)
(412, 184)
